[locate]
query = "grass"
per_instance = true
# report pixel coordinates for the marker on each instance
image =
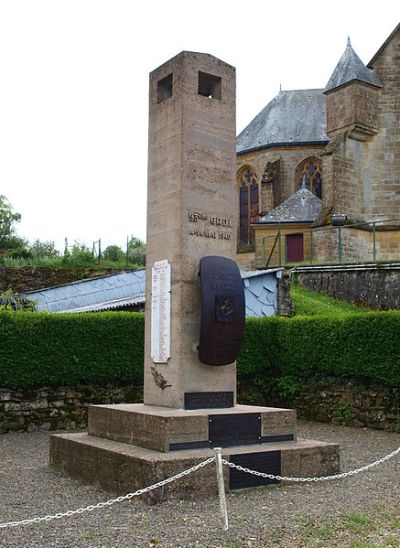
(70, 262)
(311, 303)
(356, 530)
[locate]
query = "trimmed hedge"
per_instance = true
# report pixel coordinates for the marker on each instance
(39, 349)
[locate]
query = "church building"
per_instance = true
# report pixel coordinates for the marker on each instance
(314, 159)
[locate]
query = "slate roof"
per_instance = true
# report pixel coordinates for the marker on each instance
(301, 207)
(292, 117)
(102, 293)
(118, 290)
(350, 68)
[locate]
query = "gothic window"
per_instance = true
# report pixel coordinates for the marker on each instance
(309, 174)
(249, 208)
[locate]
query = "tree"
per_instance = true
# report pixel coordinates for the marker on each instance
(8, 218)
(46, 249)
(113, 253)
(136, 251)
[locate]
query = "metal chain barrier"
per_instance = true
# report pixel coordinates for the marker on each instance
(316, 479)
(219, 461)
(92, 507)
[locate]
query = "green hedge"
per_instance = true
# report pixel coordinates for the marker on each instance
(65, 349)
(365, 346)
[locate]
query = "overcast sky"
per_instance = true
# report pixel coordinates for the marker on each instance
(74, 87)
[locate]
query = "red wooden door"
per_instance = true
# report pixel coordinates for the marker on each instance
(294, 248)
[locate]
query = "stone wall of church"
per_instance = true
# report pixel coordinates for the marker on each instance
(384, 149)
(362, 169)
(284, 184)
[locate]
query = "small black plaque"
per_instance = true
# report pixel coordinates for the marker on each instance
(266, 462)
(234, 429)
(277, 438)
(188, 445)
(208, 400)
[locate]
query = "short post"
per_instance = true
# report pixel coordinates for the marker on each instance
(221, 488)
(311, 246)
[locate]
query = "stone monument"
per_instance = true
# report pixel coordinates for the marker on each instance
(189, 405)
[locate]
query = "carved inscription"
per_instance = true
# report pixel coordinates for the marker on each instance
(161, 312)
(209, 226)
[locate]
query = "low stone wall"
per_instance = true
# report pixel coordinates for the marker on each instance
(351, 405)
(376, 285)
(65, 408)
(61, 408)
(21, 279)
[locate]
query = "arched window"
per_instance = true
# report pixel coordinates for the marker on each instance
(309, 172)
(249, 208)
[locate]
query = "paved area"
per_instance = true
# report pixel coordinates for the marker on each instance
(291, 515)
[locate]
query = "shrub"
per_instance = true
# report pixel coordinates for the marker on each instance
(65, 349)
(278, 354)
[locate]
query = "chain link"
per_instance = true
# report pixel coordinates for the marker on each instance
(110, 502)
(139, 492)
(316, 479)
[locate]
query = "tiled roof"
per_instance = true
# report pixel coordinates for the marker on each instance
(350, 68)
(119, 290)
(301, 207)
(292, 117)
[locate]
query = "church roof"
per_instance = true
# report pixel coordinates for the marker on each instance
(301, 207)
(350, 68)
(292, 117)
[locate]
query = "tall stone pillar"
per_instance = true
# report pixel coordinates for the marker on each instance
(192, 212)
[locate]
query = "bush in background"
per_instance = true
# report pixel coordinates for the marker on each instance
(278, 354)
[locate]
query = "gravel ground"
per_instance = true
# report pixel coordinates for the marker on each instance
(360, 511)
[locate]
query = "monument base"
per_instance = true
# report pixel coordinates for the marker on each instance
(131, 446)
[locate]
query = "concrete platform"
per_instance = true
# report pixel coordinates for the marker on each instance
(122, 468)
(167, 429)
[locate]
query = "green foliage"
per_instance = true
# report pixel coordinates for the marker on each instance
(80, 255)
(45, 249)
(20, 253)
(343, 414)
(136, 251)
(278, 355)
(310, 303)
(63, 349)
(9, 300)
(8, 218)
(114, 254)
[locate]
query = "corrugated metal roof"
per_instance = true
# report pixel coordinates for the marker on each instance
(297, 116)
(119, 290)
(350, 68)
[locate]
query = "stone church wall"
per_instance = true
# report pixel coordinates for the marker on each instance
(290, 158)
(384, 150)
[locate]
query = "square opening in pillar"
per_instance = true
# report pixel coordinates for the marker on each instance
(209, 85)
(164, 88)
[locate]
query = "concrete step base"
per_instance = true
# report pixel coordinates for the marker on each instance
(122, 468)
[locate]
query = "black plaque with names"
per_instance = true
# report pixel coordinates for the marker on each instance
(234, 429)
(266, 462)
(208, 400)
